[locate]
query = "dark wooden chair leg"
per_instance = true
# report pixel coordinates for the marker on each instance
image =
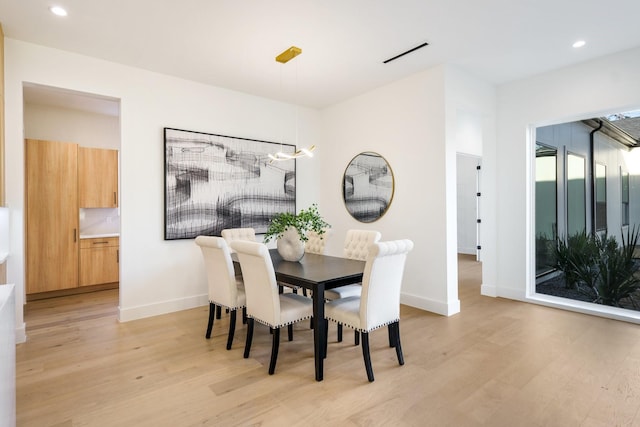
(356, 338)
(247, 345)
(244, 315)
(367, 356)
(339, 332)
(290, 331)
(212, 310)
(218, 312)
(274, 351)
(392, 340)
(232, 328)
(398, 346)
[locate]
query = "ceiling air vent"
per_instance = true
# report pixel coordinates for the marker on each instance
(405, 53)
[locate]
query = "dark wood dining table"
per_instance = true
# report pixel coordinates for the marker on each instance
(317, 273)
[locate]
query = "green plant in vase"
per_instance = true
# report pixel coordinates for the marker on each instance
(290, 231)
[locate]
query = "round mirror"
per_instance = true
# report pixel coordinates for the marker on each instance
(367, 187)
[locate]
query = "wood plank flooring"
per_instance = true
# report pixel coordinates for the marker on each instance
(497, 363)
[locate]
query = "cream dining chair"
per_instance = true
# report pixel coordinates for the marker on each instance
(379, 303)
(315, 243)
(356, 246)
(232, 234)
(225, 289)
(265, 304)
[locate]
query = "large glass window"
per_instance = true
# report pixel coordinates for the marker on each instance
(601, 197)
(546, 212)
(576, 194)
(594, 257)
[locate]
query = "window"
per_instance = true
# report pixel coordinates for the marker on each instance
(576, 195)
(624, 185)
(546, 211)
(601, 197)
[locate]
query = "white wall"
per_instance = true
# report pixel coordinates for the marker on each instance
(609, 84)
(69, 125)
(466, 178)
(406, 123)
(157, 276)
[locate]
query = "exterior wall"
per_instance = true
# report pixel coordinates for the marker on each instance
(574, 138)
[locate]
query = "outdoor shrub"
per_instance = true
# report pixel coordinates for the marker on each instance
(599, 267)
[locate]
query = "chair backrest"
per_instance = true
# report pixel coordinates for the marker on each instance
(223, 289)
(381, 283)
(232, 234)
(357, 243)
(315, 243)
(260, 286)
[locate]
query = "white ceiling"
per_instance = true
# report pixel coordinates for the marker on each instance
(233, 43)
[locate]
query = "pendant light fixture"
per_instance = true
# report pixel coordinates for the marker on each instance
(283, 58)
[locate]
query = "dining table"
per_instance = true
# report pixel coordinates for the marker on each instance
(317, 273)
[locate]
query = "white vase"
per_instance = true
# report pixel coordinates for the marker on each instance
(289, 245)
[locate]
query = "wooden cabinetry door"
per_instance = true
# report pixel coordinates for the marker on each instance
(52, 215)
(97, 178)
(99, 261)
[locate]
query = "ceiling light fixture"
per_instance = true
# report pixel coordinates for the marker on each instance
(283, 58)
(58, 10)
(579, 43)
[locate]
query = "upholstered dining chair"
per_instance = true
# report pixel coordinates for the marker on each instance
(225, 289)
(356, 246)
(265, 304)
(379, 303)
(231, 234)
(315, 243)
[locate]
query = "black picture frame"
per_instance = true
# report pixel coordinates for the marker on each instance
(213, 182)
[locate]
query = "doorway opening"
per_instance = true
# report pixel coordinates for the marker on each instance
(77, 134)
(469, 196)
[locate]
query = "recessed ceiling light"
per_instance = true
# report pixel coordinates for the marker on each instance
(58, 10)
(579, 43)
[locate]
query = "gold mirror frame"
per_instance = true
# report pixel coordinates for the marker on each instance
(368, 185)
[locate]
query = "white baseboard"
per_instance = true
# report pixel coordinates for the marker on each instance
(488, 290)
(438, 307)
(21, 334)
(162, 307)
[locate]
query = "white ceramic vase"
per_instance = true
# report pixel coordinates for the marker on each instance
(290, 247)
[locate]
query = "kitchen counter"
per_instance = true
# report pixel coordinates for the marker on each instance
(99, 236)
(3, 257)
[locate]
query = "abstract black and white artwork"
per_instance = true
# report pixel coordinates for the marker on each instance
(368, 187)
(213, 182)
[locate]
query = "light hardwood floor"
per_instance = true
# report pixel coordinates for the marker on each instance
(497, 363)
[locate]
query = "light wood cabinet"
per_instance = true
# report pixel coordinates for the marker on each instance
(99, 261)
(97, 178)
(51, 215)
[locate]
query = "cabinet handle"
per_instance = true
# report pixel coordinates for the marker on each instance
(74, 235)
(115, 200)
(118, 256)
(100, 243)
